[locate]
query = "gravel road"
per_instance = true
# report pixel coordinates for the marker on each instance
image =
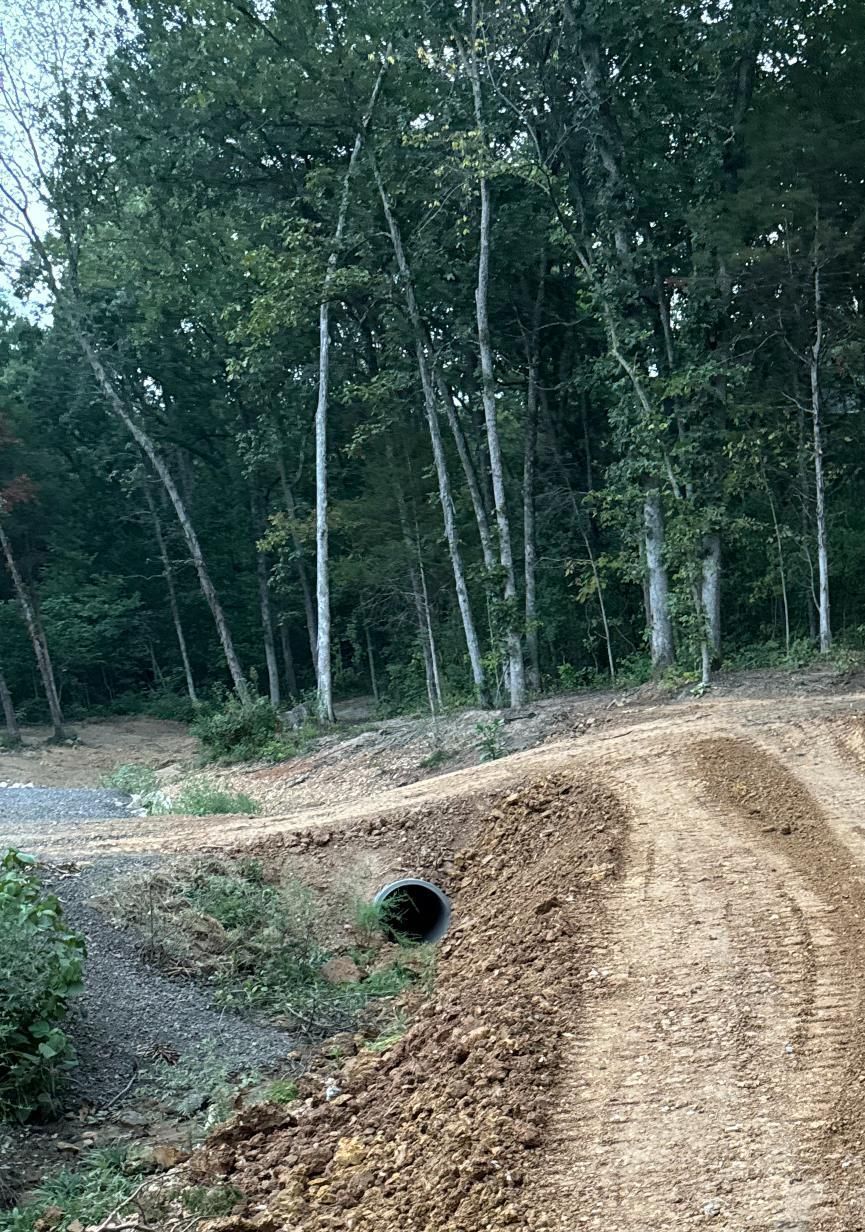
(129, 1007)
(21, 802)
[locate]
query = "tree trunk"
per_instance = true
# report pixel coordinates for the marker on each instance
(516, 676)
(13, 732)
(264, 600)
(174, 607)
(421, 603)
(711, 594)
(782, 572)
(142, 439)
(37, 638)
(439, 458)
(661, 627)
(530, 448)
(288, 659)
(819, 478)
(370, 658)
(469, 471)
(305, 589)
(322, 577)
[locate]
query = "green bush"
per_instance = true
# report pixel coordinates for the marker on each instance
(200, 799)
(41, 963)
(238, 731)
(134, 780)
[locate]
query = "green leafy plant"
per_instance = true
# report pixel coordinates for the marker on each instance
(87, 1193)
(200, 798)
(238, 731)
(42, 964)
(491, 738)
(134, 780)
(282, 1091)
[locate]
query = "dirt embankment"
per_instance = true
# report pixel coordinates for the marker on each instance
(442, 1131)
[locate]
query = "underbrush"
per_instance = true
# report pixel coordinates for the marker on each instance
(233, 731)
(81, 1197)
(198, 797)
(274, 951)
(41, 965)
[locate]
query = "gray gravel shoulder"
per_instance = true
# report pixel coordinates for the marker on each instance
(128, 1008)
(23, 802)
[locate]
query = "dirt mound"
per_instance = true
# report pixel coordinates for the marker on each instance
(440, 1131)
(740, 775)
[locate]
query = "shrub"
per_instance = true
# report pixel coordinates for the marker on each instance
(238, 731)
(41, 963)
(87, 1194)
(134, 780)
(200, 798)
(491, 738)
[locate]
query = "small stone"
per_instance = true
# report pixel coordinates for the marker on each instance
(711, 1208)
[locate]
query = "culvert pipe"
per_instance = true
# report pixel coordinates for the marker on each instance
(416, 910)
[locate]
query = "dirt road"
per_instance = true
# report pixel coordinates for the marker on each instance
(713, 1067)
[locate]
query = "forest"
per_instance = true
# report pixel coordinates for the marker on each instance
(444, 352)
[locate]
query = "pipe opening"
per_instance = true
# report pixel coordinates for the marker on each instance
(416, 910)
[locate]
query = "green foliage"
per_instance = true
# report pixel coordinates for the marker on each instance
(281, 1091)
(241, 731)
(133, 779)
(86, 1194)
(200, 1087)
(199, 798)
(42, 964)
(491, 738)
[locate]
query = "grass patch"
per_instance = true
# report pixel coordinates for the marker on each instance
(282, 1091)
(263, 948)
(87, 1193)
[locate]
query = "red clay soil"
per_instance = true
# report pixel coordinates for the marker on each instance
(441, 1132)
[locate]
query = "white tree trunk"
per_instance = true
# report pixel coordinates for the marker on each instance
(439, 458)
(516, 672)
(305, 589)
(420, 597)
(142, 439)
(819, 477)
(530, 446)
(711, 593)
(472, 484)
(661, 627)
(37, 638)
(322, 574)
(168, 574)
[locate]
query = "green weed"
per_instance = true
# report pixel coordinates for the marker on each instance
(134, 780)
(87, 1193)
(491, 738)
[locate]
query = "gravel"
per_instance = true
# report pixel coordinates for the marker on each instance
(23, 802)
(129, 1008)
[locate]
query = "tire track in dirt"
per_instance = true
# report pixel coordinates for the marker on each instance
(811, 842)
(685, 1096)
